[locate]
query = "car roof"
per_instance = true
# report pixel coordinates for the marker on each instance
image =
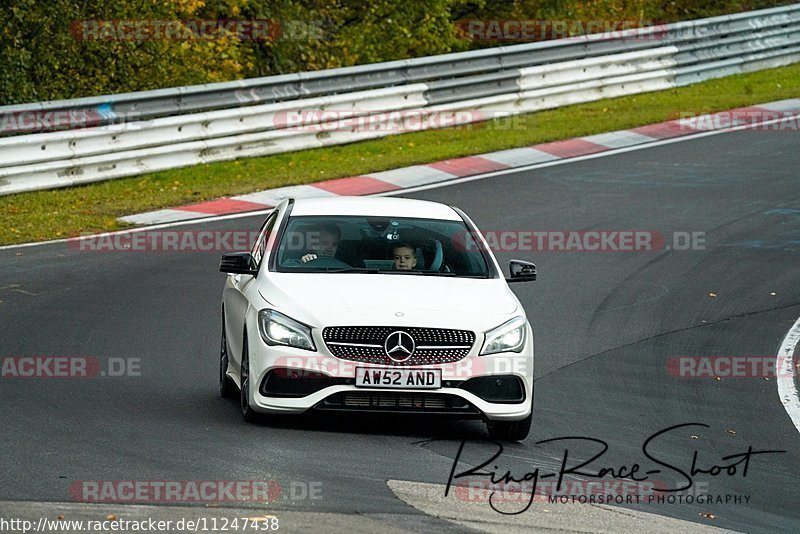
(374, 206)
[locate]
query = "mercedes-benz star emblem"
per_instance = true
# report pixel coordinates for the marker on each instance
(399, 346)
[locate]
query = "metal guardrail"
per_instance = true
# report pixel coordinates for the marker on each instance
(155, 130)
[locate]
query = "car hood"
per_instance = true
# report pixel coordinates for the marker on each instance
(401, 300)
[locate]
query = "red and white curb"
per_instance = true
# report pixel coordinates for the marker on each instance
(453, 169)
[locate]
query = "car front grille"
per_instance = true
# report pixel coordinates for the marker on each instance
(366, 344)
(397, 402)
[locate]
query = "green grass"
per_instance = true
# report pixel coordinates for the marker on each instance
(73, 211)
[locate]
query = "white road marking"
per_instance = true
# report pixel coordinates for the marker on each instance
(469, 508)
(787, 389)
(412, 176)
(619, 139)
(167, 215)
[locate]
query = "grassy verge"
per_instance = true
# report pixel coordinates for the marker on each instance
(95, 207)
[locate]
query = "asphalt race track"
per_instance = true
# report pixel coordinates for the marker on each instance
(606, 324)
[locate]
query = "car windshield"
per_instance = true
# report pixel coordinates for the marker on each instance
(382, 245)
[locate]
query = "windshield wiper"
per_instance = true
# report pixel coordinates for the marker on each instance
(386, 271)
(413, 271)
(353, 270)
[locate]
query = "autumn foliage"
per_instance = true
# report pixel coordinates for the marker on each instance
(58, 49)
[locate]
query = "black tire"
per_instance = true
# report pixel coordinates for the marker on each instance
(227, 387)
(248, 413)
(510, 430)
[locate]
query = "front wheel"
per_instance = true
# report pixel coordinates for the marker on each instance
(511, 430)
(248, 413)
(227, 387)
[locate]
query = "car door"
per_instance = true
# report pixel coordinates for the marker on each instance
(235, 296)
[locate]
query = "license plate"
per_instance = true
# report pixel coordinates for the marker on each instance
(372, 377)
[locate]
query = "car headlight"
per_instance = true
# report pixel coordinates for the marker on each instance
(509, 336)
(278, 329)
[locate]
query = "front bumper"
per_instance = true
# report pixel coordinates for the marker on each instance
(474, 387)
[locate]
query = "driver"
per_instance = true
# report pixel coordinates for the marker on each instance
(322, 240)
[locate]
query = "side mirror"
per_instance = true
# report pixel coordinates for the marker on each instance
(238, 263)
(521, 271)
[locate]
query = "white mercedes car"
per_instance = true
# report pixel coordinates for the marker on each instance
(376, 305)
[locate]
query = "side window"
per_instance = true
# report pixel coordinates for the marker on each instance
(260, 246)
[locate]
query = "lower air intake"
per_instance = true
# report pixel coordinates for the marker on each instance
(397, 402)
